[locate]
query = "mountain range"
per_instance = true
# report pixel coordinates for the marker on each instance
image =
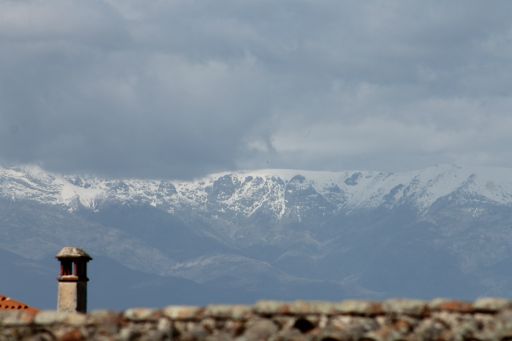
(236, 237)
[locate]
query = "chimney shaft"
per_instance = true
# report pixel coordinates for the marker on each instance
(72, 296)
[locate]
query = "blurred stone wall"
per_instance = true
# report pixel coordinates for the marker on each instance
(484, 319)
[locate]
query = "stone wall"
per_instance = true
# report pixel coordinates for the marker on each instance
(485, 319)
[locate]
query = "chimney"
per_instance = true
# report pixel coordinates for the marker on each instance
(72, 296)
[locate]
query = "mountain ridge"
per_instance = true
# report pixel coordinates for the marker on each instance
(282, 234)
(359, 187)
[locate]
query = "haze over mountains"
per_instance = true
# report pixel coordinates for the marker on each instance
(241, 236)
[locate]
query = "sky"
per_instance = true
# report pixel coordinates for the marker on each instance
(182, 88)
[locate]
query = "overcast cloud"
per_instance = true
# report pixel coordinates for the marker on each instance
(179, 88)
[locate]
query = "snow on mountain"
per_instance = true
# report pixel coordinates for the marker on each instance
(244, 192)
(278, 233)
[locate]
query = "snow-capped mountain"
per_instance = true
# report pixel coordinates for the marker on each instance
(245, 193)
(278, 233)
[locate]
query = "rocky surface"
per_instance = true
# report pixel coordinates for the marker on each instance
(484, 319)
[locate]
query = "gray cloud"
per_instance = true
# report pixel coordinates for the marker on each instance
(179, 88)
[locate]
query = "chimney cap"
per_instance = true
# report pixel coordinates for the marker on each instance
(73, 252)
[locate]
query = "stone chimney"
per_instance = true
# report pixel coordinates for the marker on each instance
(72, 296)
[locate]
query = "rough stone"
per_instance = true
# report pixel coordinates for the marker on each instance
(433, 329)
(164, 325)
(284, 321)
(179, 328)
(56, 317)
(260, 329)
(234, 327)
(451, 306)
(405, 307)
(485, 319)
(103, 317)
(333, 334)
(236, 312)
(311, 307)
(183, 312)
(491, 305)
(141, 314)
(353, 325)
(289, 335)
(363, 308)
(15, 318)
(219, 335)
(271, 308)
(196, 332)
(69, 334)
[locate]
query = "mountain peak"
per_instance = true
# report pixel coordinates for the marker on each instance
(243, 191)
(247, 228)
